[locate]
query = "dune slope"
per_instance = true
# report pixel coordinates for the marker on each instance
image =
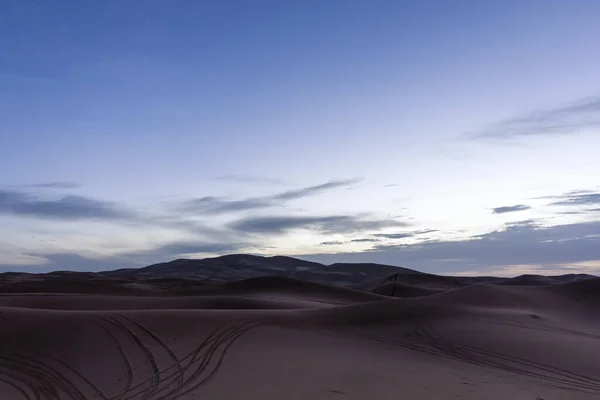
(285, 338)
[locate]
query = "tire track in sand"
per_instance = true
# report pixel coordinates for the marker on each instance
(154, 380)
(199, 360)
(521, 366)
(46, 379)
(162, 345)
(18, 388)
(123, 355)
(212, 336)
(423, 339)
(222, 345)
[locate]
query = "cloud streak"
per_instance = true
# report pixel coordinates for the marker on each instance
(65, 208)
(578, 198)
(510, 209)
(345, 224)
(218, 205)
(568, 119)
(394, 235)
(341, 242)
(132, 259)
(404, 235)
(523, 243)
(52, 185)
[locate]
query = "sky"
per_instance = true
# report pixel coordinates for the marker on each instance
(451, 137)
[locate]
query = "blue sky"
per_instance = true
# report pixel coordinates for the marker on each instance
(452, 137)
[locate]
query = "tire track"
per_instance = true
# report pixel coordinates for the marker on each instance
(424, 341)
(410, 344)
(203, 355)
(227, 341)
(173, 366)
(149, 357)
(33, 384)
(510, 363)
(209, 339)
(199, 360)
(16, 387)
(546, 328)
(25, 380)
(176, 362)
(47, 380)
(69, 368)
(126, 362)
(44, 382)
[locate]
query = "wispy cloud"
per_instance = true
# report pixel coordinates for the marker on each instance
(313, 190)
(404, 235)
(131, 259)
(218, 205)
(70, 207)
(333, 243)
(341, 242)
(345, 224)
(510, 209)
(177, 249)
(51, 185)
(578, 198)
(568, 119)
(523, 243)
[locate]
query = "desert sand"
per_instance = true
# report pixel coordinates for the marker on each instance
(280, 338)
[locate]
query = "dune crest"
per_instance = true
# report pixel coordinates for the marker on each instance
(166, 337)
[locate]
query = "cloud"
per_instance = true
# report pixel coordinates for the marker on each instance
(394, 235)
(586, 211)
(568, 119)
(510, 209)
(326, 224)
(577, 198)
(218, 205)
(333, 243)
(70, 207)
(425, 231)
(313, 190)
(70, 262)
(340, 242)
(177, 249)
(523, 243)
(404, 235)
(52, 185)
(132, 259)
(249, 179)
(526, 244)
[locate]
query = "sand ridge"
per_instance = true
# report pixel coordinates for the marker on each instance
(285, 338)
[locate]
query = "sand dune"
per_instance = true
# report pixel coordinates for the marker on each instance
(281, 338)
(540, 280)
(289, 287)
(396, 289)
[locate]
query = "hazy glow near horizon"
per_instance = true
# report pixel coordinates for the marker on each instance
(445, 137)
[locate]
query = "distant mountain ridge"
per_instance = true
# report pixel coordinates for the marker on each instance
(185, 276)
(244, 266)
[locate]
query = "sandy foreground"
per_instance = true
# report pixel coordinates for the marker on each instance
(479, 342)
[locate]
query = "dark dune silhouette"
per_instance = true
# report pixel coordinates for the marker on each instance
(170, 332)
